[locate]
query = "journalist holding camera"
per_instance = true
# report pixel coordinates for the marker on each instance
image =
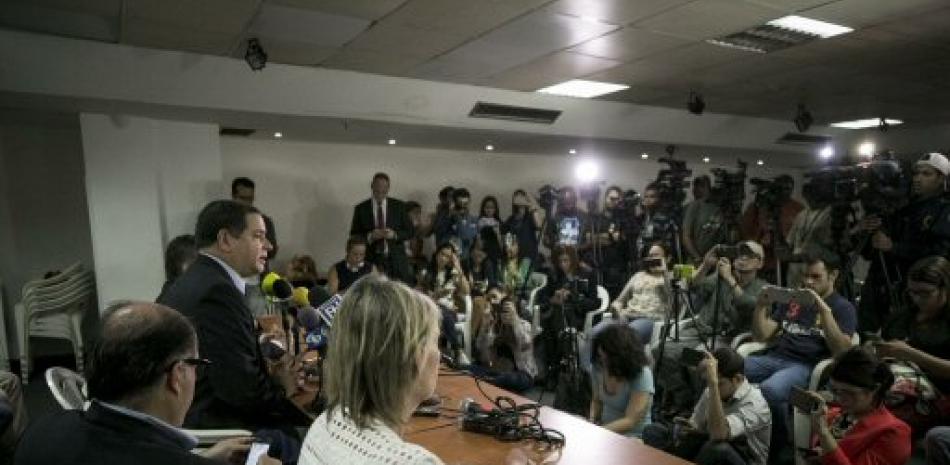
(505, 353)
(857, 428)
(810, 325)
(731, 422)
(920, 229)
(727, 284)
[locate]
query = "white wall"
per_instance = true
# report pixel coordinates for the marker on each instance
(146, 181)
(309, 189)
(43, 221)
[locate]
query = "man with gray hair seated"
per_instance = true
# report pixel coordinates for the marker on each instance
(141, 379)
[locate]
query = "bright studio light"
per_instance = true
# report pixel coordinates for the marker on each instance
(866, 149)
(827, 152)
(586, 171)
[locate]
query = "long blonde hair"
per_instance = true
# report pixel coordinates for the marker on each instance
(376, 343)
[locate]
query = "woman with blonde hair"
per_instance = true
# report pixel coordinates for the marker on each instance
(382, 363)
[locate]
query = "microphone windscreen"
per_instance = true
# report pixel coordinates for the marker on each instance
(267, 284)
(301, 296)
(282, 289)
(308, 317)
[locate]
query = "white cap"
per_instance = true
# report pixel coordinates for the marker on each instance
(936, 161)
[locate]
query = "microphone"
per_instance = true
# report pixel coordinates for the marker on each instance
(276, 287)
(301, 296)
(308, 317)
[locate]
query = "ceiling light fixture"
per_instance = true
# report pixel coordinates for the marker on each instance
(278, 135)
(644, 155)
(255, 56)
(803, 118)
(760, 162)
(827, 152)
(392, 141)
(705, 159)
(572, 151)
(586, 171)
(696, 104)
(866, 123)
(866, 149)
(810, 26)
(490, 147)
(583, 89)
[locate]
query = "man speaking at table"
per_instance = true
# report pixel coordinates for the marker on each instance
(235, 390)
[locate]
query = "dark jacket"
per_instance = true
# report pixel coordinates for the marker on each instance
(235, 391)
(391, 259)
(101, 436)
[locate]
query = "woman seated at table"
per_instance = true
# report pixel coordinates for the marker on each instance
(622, 383)
(354, 266)
(859, 430)
(383, 362)
(644, 299)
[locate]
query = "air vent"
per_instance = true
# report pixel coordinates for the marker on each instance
(796, 138)
(226, 131)
(508, 112)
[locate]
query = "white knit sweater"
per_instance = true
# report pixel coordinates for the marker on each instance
(338, 441)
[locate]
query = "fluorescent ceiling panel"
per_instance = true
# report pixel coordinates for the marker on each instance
(865, 123)
(810, 26)
(583, 89)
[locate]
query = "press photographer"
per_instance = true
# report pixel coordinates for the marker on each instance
(769, 218)
(812, 227)
(701, 221)
(920, 229)
(567, 223)
(728, 193)
(662, 207)
(608, 238)
(504, 343)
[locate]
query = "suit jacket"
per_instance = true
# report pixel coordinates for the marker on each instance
(235, 391)
(101, 436)
(395, 263)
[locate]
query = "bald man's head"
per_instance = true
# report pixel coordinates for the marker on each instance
(138, 343)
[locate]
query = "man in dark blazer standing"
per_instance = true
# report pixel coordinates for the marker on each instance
(140, 378)
(235, 391)
(384, 223)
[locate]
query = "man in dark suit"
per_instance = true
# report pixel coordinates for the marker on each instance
(236, 391)
(141, 378)
(384, 223)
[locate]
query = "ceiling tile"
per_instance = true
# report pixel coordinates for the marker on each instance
(790, 6)
(149, 34)
(365, 9)
(638, 94)
(207, 16)
(61, 22)
(629, 44)
(859, 13)
(548, 70)
(517, 42)
(706, 19)
(401, 39)
(305, 26)
(754, 67)
(461, 17)
(614, 11)
(97, 7)
(698, 55)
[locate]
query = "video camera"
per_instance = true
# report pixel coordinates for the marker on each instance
(879, 185)
(728, 190)
(671, 186)
(769, 193)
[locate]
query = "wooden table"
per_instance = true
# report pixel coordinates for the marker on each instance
(586, 443)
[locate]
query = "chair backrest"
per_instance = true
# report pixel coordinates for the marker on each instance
(604, 297)
(68, 388)
(74, 292)
(62, 276)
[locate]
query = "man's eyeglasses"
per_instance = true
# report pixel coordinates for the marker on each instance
(195, 362)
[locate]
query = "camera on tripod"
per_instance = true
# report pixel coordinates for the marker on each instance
(769, 193)
(671, 186)
(728, 189)
(879, 185)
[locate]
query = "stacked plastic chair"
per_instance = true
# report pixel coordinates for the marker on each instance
(54, 308)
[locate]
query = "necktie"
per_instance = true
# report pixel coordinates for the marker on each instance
(380, 221)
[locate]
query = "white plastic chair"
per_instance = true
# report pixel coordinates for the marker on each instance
(4, 350)
(69, 390)
(604, 297)
(54, 308)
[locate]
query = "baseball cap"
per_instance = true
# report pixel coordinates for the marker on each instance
(752, 246)
(936, 161)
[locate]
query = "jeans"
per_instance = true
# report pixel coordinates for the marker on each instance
(938, 446)
(659, 436)
(776, 376)
(514, 381)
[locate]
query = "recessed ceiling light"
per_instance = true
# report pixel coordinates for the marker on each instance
(760, 162)
(583, 89)
(705, 159)
(865, 123)
(392, 141)
(572, 151)
(489, 147)
(866, 149)
(278, 135)
(827, 152)
(644, 155)
(810, 26)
